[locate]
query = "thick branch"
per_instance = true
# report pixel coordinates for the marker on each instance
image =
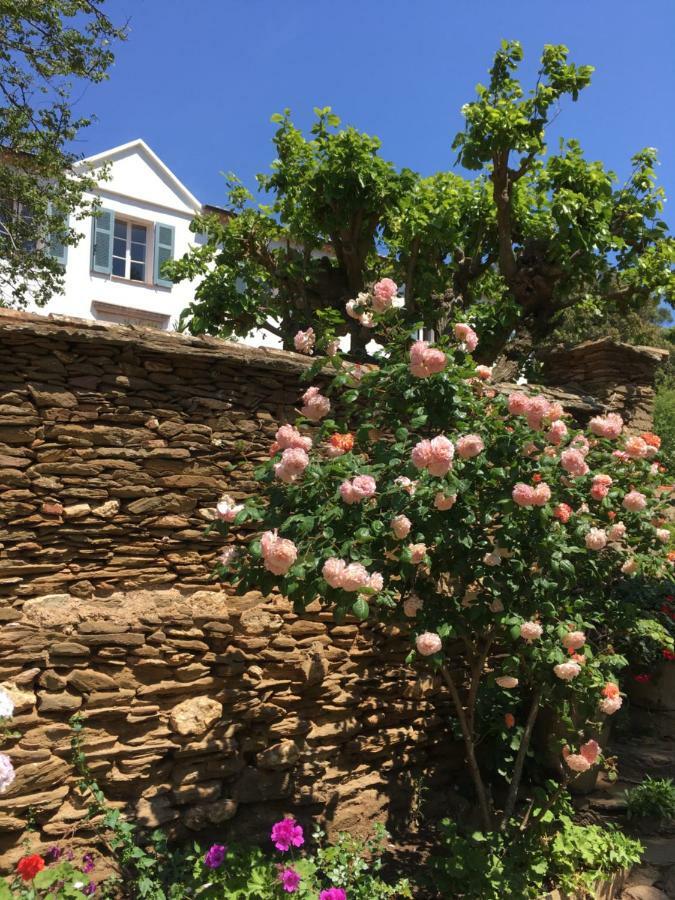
(512, 795)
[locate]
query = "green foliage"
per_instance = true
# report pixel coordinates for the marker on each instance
(537, 243)
(664, 420)
(61, 881)
(654, 798)
(48, 50)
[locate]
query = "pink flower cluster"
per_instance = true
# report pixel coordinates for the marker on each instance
(637, 448)
(426, 360)
(484, 372)
(525, 495)
(293, 463)
(401, 526)
(350, 576)
(470, 445)
(417, 553)
(634, 501)
(428, 643)
(466, 335)
(563, 512)
(362, 487)
(443, 502)
(226, 509)
(574, 640)
(574, 462)
(278, 553)
(286, 834)
(304, 341)
(596, 539)
(315, 405)
(583, 760)
(616, 532)
(556, 432)
(609, 426)
(435, 455)
(288, 437)
(567, 671)
(600, 486)
(611, 699)
(537, 410)
(531, 631)
(379, 299)
(383, 294)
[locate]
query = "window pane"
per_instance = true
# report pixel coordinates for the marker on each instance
(119, 247)
(120, 228)
(138, 252)
(138, 234)
(118, 266)
(137, 271)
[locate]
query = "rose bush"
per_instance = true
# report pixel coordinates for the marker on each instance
(490, 523)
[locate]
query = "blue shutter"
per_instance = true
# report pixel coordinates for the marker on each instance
(57, 248)
(103, 224)
(164, 236)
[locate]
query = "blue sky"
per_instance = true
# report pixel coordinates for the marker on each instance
(199, 79)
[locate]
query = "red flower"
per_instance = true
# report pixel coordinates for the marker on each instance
(536, 478)
(29, 866)
(343, 442)
(669, 655)
(642, 679)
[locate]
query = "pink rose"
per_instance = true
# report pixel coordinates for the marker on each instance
(408, 486)
(621, 455)
(355, 577)
(573, 640)
(288, 437)
(442, 453)
(575, 761)
(634, 501)
(573, 462)
(590, 751)
(401, 526)
(637, 448)
(663, 535)
(333, 570)
(580, 443)
(563, 512)
(531, 631)
(428, 643)
(506, 681)
(616, 532)
(443, 502)
(376, 582)
(315, 405)
(609, 426)
(227, 510)
(412, 605)
(278, 553)
(359, 488)
(596, 539)
(467, 335)
(484, 372)
(304, 341)
(421, 454)
(630, 567)
(384, 292)
(425, 360)
(417, 553)
(600, 486)
(556, 432)
(523, 494)
(542, 494)
(610, 705)
(518, 403)
(567, 671)
(537, 409)
(293, 463)
(470, 445)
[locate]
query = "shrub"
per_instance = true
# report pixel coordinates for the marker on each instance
(654, 798)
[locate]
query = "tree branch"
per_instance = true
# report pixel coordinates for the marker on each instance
(512, 795)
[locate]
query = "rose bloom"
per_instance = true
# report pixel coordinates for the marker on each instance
(556, 432)
(573, 640)
(636, 448)
(634, 501)
(509, 720)
(278, 553)
(470, 445)
(442, 453)
(573, 462)
(428, 643)
(425, 360)
(340, 444)
(653, 440)
(523, 494)
(663, 535)
(7, 773)
(384, 292)
(595, 539)
(567, 671)
(408, 486)
(484, 372)
(531, 631)
(315, 405)
(467, 335)
(333, 570)
(537, 410)
(294, 461)
(304, 341)
(376, 582)
(562, 512)
(412, 605)
(541, 495)
(401, 526)
(600, 486)
(611, 690)
(610, 705)
(29, 866)
(227, 509)
(289, 879)
(364, 487)
(609, 426)
(355, 577)
(518, 403)
(417, 553)
(443, 502)
(286, 834)
(506, 681)
(630, 567)
(575, 761)
(288, 436)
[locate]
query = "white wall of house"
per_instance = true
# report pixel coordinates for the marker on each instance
(139, 191)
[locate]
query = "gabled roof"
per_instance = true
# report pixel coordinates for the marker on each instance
(139, 146)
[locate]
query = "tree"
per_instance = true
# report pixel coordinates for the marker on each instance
(492, 526)
(516, 245)
(47, 50)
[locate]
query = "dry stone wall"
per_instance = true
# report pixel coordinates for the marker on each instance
(201, 708)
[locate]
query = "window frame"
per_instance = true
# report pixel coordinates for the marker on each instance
(129, 222)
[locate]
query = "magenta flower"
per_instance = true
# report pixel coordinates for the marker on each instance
(215, 856)
(289, 879)
(286, 834)
(87, 863)
(333, 894)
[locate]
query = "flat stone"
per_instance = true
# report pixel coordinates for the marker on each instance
(195, 716)
(643, 892)
(659, 851)
(283, 755)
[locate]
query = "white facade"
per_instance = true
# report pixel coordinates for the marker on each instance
(114, 273)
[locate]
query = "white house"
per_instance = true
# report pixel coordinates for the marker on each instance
(115, 272)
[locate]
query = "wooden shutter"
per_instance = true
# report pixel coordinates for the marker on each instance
(164, 237)
(57, 248)
(103, 225)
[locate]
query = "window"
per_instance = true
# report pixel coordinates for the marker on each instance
(130, 247)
